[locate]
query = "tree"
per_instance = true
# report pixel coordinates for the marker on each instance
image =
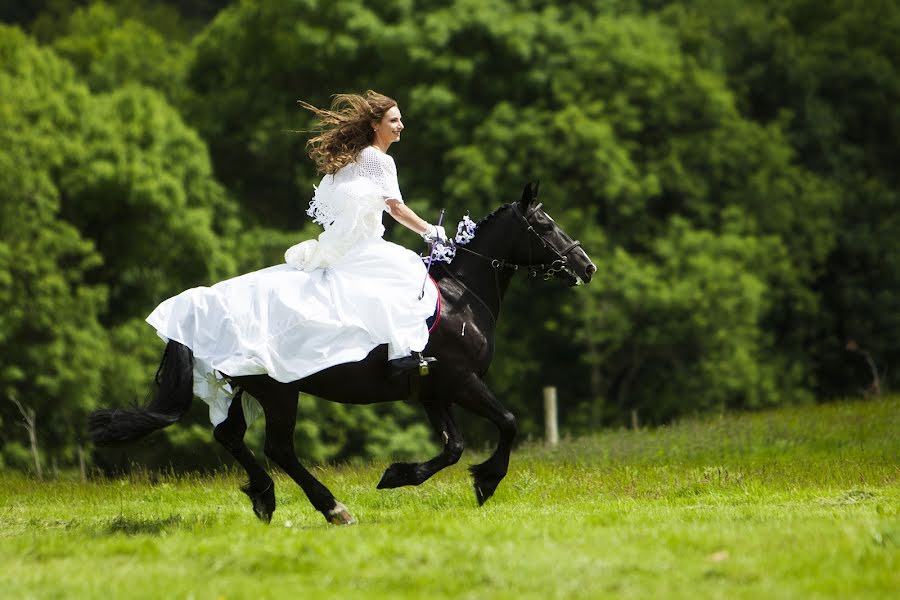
(51, 341)
(635, 137)
(109, 51)
(109, 206)
(827, 72)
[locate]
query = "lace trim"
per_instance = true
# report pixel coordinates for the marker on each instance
(322, 212)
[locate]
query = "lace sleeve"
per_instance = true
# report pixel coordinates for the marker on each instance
(381, 169)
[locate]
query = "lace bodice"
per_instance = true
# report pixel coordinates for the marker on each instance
(349, 206)
(374, 164)
(358, 187)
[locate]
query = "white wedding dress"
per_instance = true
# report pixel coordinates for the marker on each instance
(334, 300)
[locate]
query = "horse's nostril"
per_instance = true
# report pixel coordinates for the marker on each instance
(591, 269)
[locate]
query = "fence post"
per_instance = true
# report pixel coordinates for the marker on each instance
(551, 427)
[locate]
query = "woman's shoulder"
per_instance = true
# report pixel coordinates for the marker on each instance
(371, 154)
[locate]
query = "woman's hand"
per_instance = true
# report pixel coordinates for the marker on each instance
(435, 235)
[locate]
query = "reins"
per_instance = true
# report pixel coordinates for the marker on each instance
(498, 263)
(549, 270)
(477, 297)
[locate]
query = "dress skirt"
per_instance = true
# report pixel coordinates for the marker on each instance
(289, 323)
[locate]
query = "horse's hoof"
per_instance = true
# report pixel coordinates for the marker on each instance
(479, 495)
(484, 486)
(339, 515)
(263, 502)
(397, 475)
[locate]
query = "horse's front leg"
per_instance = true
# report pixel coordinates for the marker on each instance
(280, 406)
(400, 474)
(477, 398)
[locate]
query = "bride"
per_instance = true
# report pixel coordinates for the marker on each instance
(337, 297)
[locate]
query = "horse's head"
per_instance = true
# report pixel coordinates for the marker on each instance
(546, 248)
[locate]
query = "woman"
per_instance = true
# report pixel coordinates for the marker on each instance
(378, 281)
(336, 298)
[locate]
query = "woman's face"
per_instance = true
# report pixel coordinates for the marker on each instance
(387, 131)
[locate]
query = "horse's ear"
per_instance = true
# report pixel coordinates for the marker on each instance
(529, 194)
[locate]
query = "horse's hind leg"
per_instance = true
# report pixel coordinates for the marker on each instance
(399, 474)
(280, 406)
(260, 488)
(478, 399)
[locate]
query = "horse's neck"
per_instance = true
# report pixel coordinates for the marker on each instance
(477, 274)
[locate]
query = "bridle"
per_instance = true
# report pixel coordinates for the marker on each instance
(546, 270)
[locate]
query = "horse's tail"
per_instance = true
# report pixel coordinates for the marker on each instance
(174, 393)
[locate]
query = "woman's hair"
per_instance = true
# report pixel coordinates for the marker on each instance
(346, 128)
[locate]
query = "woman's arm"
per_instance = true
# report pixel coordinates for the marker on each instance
(408, 218)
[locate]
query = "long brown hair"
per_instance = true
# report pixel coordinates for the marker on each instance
(346, 128)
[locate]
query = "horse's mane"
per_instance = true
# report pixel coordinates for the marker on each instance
(439, 269)
(493, 214)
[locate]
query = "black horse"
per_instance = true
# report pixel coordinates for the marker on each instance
(517, 236)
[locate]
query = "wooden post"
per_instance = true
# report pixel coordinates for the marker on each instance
(551, 427)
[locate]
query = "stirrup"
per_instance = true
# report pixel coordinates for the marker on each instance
(423, 364)
(405, 364)
(415, 383)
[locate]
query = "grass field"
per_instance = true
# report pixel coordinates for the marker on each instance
(798, 503)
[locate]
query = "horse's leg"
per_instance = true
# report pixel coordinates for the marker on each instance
(399, 474)
(230, 433)
(478, 399)
(281, 418)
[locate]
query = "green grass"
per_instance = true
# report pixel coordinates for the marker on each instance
(798, 503)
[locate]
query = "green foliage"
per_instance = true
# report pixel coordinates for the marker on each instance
(109, 52)
(51, 341)
(684, 323)
(327, 431)
(828, 72)
(729, 166)
(250, 66)
(49, 19)
(104, 199)
(144, 191)
(642, 133)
